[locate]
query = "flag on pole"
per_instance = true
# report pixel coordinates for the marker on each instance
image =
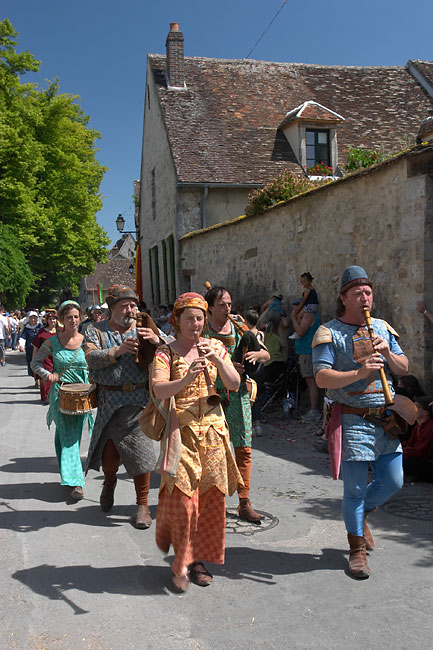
(100, 293)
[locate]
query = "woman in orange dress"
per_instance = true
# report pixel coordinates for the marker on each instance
(191, 506)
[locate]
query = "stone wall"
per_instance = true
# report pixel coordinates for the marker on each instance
(379, 219)
(158, 205)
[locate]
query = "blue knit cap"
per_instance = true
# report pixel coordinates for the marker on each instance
(352, 276)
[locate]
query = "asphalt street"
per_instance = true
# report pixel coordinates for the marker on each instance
(75, 578)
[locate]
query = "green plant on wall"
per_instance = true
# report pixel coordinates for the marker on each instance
(283, 187)
(360, 158)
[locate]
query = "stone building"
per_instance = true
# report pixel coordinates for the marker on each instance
(120, 269)
(215, 129)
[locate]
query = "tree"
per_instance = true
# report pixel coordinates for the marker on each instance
(16, 278)
(49, 176)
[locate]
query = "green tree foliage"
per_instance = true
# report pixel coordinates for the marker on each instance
(49, 175)
(16, 277)
(283, 187)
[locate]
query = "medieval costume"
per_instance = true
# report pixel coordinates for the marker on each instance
(361, 441)
(122, 392)
(39, 339)
(71, 367)
(237, 410)
(191, 505)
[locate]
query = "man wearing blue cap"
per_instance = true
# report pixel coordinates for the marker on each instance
(346, 363)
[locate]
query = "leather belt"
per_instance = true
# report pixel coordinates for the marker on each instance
(126, 387)
(357, 410)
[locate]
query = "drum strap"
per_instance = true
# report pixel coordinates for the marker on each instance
(70, 363)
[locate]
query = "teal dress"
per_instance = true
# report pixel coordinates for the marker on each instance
(69, 428)
(237, 408)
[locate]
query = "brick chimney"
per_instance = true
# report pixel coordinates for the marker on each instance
(175, 60)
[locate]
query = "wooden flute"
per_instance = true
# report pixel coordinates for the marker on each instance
(389, 401)
(213, 399)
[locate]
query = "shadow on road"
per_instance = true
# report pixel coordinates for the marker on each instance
(27, 521)
(262, 566)
(241, 563)
(52, 582)
(35, 464)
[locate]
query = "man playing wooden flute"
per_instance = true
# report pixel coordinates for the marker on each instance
(346, 362)
(110, 348)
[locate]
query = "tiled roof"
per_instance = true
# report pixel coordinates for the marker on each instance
(224, 127)
(116, 271)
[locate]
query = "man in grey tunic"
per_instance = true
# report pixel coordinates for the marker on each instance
(117, 438)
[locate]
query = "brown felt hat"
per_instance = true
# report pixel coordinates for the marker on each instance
(119, 292)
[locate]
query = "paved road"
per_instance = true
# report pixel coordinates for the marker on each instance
(74, 578)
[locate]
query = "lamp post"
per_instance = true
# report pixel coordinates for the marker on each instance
(120, 224)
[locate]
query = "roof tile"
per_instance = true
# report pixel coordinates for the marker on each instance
(223, 127)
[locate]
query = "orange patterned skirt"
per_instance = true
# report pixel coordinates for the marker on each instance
(194, 525)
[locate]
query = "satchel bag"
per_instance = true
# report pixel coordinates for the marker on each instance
(251, 385)
(171, 444)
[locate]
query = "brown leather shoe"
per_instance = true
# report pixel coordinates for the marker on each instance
(368, 537)
(358, 567)
(247, 513)
(199, 574)
(107, 496)
(142, 519)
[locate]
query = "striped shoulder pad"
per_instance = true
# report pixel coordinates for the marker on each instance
(322, 335)
(391, 329)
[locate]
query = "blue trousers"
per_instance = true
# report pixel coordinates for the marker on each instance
(359, 497)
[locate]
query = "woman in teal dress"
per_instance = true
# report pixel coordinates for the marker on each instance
(69, 367)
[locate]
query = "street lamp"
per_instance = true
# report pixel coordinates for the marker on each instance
(120, 224)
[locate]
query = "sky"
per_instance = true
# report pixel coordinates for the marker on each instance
(98, 50)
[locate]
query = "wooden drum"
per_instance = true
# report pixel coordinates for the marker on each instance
(77, 399)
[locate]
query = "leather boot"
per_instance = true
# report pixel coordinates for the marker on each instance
(358, 567)
(243, 461)
(142, 519)
(107, 496)
(247, 513)
(368, 537)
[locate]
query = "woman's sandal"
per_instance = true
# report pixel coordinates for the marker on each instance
(180, 583)
(201, 576)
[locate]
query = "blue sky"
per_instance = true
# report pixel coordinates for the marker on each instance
(98, 49)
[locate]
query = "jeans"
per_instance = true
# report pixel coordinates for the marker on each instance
(359, 497)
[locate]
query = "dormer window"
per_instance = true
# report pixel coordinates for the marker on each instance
(317, 147)
(311, 130)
